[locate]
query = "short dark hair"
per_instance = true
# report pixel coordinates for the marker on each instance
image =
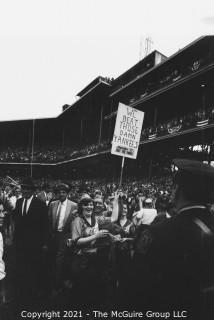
(83, 202)
(63, 187)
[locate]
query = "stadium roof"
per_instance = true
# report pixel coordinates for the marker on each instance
(93, 84)
(26, 120)
(148, 62)
(193, 44)
(100, 83)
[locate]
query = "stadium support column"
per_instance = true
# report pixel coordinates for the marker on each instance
(110, 120)
(150, 168)
(63, 138)
(81, 131)
(32, 149)
(101, 124)
(203, 96)
(155, 117)
(151, 160)
(203, 102)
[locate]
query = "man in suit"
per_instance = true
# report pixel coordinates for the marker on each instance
(61, 214)
(30, 239)
(45, 195)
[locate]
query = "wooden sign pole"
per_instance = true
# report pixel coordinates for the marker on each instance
(121, 172)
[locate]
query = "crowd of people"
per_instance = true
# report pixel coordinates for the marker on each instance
(97, 243)
(53, 154)
(40, 233)
(101, 193)
(197, 119)
(49, 154)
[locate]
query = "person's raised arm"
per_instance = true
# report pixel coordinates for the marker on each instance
(141, 199)
(115, 211)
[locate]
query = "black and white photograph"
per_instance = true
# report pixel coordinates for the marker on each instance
(106, 159)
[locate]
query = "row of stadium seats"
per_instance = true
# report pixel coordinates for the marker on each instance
(50, 154)
(53, 154)
(199, 118)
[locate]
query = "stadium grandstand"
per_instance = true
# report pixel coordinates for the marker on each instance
(176, 93)
(75, 235)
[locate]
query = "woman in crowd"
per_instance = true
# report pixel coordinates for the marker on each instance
(87, 269)
(123, 254)
(99, 207)
(123, 221)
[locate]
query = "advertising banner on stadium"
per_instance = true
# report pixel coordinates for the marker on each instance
(127, 131)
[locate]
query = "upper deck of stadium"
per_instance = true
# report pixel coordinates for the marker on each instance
(163, 87)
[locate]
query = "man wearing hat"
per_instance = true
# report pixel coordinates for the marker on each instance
(147, 214)
(30, 237)
(180, 252)
(61, 214)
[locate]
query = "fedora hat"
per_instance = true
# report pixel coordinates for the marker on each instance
(27, 183)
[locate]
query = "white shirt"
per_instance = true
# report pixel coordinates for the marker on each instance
(2, 265)
(28, 204)
(46, 200)
(63, 206)
(146, 215)
(12, 201)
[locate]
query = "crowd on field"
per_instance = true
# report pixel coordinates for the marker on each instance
(103, 212)
(78, 240)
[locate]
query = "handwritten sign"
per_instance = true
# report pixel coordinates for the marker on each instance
(127, 131)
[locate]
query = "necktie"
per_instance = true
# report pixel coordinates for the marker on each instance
(58, 216)
(25, 209)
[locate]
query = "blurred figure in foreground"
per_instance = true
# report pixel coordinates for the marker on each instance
(176, 258)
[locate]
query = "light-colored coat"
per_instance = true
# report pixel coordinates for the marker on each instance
(57, 241)
(70, 214)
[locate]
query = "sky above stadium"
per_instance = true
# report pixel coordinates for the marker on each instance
(51, 49)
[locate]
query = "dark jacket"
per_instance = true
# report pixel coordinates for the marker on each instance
(176, 260)
(31, 231)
